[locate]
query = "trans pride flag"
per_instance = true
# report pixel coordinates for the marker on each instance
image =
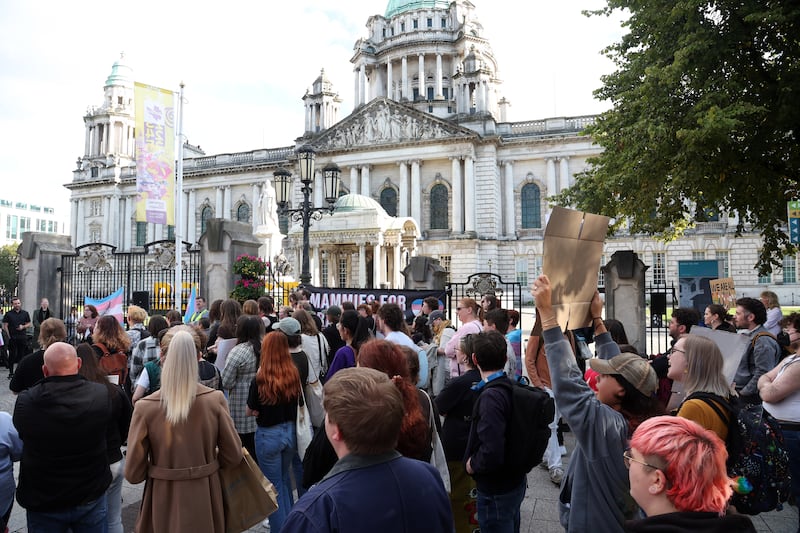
(110, 305)
(191, 308)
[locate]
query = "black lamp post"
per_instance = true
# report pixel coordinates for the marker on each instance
(304, 214)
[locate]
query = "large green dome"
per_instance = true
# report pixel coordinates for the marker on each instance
(356, 202)
(396, 7)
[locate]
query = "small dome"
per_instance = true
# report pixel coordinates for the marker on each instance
(121, 73)
(322, 83)
(395, 7)
(356, 202)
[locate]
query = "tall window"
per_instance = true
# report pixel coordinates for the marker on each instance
(521, 263)
(324, 271)
(659, 268)
(789, 269)
(537, 266)
(342, 272)
(96, 208)
(11, 226)
(171, 233)
(698, 255)
(141, 233)
(389, 201)
(764, 280)
(724, 256)
(439, 208)
(94, 234)
(243, 212)
(205, 215)
(531, 206)
(601, 276)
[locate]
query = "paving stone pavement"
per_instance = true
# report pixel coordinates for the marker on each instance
(539, 509)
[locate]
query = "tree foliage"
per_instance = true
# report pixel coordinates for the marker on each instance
(9, 268)
(705, 115)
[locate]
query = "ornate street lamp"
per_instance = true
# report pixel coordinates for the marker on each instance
(305, 213)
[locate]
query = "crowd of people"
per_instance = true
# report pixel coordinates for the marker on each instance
(414, 413)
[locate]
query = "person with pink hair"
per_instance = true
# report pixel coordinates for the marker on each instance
(679, 479)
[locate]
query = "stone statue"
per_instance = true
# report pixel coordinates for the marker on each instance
(268, 207)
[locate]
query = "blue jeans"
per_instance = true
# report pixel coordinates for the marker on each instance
(499, 513)
(275, 448)
(792, 441)
(89, 518)
(114, 496)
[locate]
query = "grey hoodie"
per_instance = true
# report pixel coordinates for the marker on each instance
(595, 493)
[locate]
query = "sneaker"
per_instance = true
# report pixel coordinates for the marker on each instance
(556, 475)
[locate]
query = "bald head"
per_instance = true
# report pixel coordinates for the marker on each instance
(61, 359)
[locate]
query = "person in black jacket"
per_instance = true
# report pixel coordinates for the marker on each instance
(63, 421)
(500, 488)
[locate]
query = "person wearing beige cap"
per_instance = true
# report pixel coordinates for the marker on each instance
(595, 492)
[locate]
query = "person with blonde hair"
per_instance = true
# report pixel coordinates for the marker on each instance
(136, 328)
(774, 313)
(179, 438)
(29, 372)
(250, 307)
(467, 313)
(678, 477)
(697, 362)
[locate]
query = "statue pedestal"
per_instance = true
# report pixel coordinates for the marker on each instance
(271, 241)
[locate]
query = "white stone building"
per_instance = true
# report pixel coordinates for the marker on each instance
(428, 140)
(19, 215)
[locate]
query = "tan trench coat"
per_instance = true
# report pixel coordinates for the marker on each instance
(157, 452)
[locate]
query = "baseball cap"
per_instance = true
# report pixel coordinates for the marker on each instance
(334, 311)
(433, 316)
(289, 325)
(634, 368)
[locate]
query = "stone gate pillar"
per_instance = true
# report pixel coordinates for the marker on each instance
(625, 295)
(40, 269)
(223, 241)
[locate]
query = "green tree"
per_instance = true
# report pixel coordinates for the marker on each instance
(705, 115)
(9, 268)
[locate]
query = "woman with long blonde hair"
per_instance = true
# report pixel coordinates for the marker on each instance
(180, 436)
(273, 400)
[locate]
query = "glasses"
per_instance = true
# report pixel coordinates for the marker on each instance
(679, 351)
(627, 458)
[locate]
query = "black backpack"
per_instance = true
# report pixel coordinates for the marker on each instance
(757, 456)
(532, 412)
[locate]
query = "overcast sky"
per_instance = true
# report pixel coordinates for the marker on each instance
(246, 66)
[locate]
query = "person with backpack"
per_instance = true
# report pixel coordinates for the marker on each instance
(500, 483)
(595, 493)
(780, 390)
(112, 346)
(677, 475)
(763, 353)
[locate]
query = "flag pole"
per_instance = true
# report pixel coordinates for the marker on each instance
(179, 207)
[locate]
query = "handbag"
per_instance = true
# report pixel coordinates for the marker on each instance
(438, 460)
(303, 426)
(313, 392)
(322, 371)
(247, 496)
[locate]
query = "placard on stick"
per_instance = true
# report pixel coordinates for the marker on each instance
(723, 292)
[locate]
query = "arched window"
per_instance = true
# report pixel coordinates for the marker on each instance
(243, 212)
(439, 207)
(531, 206)
(205, 215)
(389, 201)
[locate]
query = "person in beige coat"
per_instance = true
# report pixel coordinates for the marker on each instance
(180, 437)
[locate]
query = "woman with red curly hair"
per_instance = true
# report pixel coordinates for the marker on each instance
(415, 433)
(273, 399)
(679, 479)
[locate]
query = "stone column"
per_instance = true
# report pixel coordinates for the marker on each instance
(313, 264)
(509, 208)
(402, 207)
(551, 177)
(564, 173)
(416, 192)
(389, 79)
(365, 180)
(404, 76)
(218, 208)
(254, 206)
(313, 118)
(356, 76)
(354, 180)
(458, 196)
(107, 226)
(421, 75)
(73, 221)
(110, 148)
(227, 203)
(151, 233)
(362, 265)
(439, 95)
(377, 264)
(80, 235)
(469, 194)
(396, 269)
(128, 223)
(191, 227)
(318, 186)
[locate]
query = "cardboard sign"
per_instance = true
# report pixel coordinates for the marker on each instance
(732, 345)
(573, 245)
(723, 292)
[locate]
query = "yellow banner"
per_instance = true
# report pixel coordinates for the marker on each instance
(155, 154)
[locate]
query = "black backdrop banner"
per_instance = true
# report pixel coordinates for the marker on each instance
(322, 297)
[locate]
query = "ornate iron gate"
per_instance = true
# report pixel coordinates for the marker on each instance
(478, 284)
(96, 271)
